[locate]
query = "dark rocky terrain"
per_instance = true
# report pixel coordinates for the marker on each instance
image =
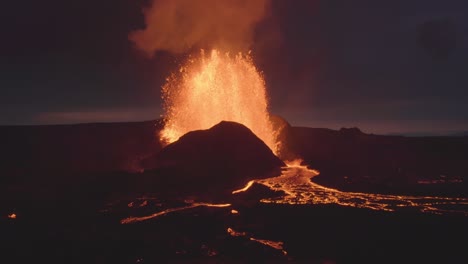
(222, 158)
(70, 186)
(351, 160)
(77, 148)
(347, 159)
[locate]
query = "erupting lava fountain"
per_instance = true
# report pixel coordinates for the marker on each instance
(216, 87)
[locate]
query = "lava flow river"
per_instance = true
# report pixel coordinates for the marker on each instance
(296, 182)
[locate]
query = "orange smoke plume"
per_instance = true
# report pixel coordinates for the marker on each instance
(178, 25)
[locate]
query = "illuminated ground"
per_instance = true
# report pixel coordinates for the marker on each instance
(300, 191)
(295, 181)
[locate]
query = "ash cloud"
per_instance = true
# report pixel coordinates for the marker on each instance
(179, 25)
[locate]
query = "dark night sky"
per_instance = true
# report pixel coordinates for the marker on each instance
(384, 66)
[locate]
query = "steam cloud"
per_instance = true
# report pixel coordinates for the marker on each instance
(178, 25)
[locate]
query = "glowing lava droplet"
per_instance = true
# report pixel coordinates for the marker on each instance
(214, 88)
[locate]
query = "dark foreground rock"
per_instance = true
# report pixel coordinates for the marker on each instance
(351, 160)
(220, 159)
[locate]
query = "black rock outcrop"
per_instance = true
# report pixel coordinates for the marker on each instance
(224, 157)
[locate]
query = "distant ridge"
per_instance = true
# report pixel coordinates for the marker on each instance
(430, 134)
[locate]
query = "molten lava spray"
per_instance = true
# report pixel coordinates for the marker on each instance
(215, 87)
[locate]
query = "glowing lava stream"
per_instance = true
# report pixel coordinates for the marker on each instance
(278, 245)
(295, 182)
(249, 184)
(216, 87)
(135, 219)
